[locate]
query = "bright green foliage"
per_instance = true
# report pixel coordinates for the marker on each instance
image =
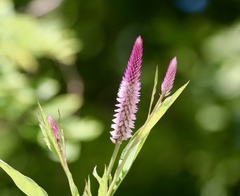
(25, 40)
(24, 183)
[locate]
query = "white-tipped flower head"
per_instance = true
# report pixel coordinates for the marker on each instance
(169, 77)
(128, 96)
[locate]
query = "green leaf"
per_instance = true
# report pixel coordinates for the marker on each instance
(154, 90)
(24, 183)
(87, 128)
(133, 147)
(159, 110)
(68, 104)
(103, 182)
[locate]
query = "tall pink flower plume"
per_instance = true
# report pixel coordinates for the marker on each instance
(53, 127)
(169, 77)
(128, 96)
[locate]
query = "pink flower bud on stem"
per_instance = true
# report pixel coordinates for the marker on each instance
(53, 127)
(169, 78)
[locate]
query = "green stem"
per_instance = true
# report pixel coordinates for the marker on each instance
(157, 104)
(119, 169)
(72, 185)
(113, 159)
(63, 161)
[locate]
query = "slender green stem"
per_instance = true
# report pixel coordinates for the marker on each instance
(63, 161)
(157, 104)
(112, 161)
(119, 169)
(72, 185)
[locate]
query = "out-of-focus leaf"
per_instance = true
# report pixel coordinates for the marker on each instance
(84, 129)
(47, 88)
(24, 38)
(9, 141)
(67, 104)
(24, 183)
(73, 150)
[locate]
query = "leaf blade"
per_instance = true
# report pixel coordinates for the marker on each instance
(24, 183)
(154, 90)
(103, 182)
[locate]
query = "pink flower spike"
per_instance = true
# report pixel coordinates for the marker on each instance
(128, 96)
(53, 127)
(169, 77)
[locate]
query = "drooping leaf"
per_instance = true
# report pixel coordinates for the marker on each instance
(131, 151)
(24, 183)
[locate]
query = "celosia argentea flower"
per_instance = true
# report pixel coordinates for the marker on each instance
(128, 96)
(53, 127)
(169, 78)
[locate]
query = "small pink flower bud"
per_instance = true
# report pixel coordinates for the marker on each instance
(169, 77)
(53, 126)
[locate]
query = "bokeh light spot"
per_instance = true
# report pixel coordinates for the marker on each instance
(191, 6)
(212, 118)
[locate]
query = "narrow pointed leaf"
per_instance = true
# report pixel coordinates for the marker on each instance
(154, 90)
(87, 189)
(160, 110)
(24, 183)
(132, 149)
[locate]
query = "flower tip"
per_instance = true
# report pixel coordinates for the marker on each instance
(139, 40)
(169, 77)
(173, 62)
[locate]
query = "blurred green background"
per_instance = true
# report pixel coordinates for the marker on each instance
(71, 55)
